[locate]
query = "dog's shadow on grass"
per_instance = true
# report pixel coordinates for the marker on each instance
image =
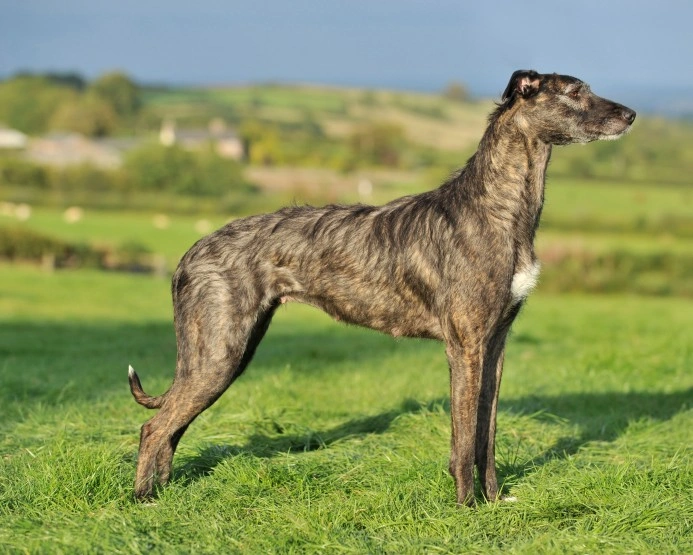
(599, 417)
(268, 445)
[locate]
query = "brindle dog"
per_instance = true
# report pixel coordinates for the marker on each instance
(453, 264)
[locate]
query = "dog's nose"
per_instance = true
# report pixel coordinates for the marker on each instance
(629, 115)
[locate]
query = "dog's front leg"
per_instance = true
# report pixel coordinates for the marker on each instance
(494, 354)
(486, 419)
(465, 384)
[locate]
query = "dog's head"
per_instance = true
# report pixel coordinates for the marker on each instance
(562, 109)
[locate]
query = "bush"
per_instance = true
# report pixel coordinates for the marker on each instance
(172, 169)
(84, 178)
(457, 92)
(88, 115)
(569, 269)
(20, 244)
(15, 171)
(379, 143)
(130, 256)
(261, 143)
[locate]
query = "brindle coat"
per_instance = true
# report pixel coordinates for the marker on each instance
(453, 264)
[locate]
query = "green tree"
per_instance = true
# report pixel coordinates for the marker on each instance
(28, 103)
(88, 115)
(68, 79)
(155, 167)
(378, 143)
(83, 178)
(456, 91)
(118, 90)
(261, 143)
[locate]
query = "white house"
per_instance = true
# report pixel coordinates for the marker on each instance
(66, 149)
(12, 139)
(226, 142)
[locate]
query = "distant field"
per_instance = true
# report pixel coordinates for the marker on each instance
(596, 215)
(427, 119)
(581, 203)
(113, 228)
(656, 151)
(336, 439)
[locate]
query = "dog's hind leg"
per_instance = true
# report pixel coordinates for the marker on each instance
(209, 360)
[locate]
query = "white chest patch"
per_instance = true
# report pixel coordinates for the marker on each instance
(524, 281)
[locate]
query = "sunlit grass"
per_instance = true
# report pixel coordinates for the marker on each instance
(336, 438)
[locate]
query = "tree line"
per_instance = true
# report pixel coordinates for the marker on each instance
(38, 103)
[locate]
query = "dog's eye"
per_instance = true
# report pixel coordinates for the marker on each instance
(574, 93)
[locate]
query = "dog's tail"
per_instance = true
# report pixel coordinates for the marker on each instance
(138, 393)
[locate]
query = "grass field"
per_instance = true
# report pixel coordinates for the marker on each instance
(336, 439)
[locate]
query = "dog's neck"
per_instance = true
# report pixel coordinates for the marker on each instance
(508, 173)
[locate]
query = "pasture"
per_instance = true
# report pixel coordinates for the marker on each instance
(336, 438)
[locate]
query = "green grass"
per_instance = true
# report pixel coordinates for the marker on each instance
(573, 206)
(336, 439)
(113, 228)
(603, 206)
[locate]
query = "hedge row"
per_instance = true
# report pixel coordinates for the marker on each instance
(663, 274)
(564, 269)
(18, 244)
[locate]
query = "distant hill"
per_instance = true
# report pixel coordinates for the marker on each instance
(426, 118)
(318, 122)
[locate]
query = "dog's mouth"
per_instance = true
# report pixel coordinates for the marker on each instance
(614, 128)
(617, 135)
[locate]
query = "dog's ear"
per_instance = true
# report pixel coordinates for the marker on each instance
(524, 82)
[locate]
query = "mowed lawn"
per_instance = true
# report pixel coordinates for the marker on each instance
(336, 439)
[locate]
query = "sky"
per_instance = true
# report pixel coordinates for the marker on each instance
(631, 47)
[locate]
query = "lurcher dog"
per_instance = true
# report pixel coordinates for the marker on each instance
(453, 264)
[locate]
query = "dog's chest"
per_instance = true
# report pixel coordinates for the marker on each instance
(524, 281)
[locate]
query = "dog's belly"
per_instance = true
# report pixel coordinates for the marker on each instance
(388, 314)
(392, 298)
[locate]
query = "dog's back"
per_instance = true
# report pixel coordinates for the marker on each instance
(379, 267)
